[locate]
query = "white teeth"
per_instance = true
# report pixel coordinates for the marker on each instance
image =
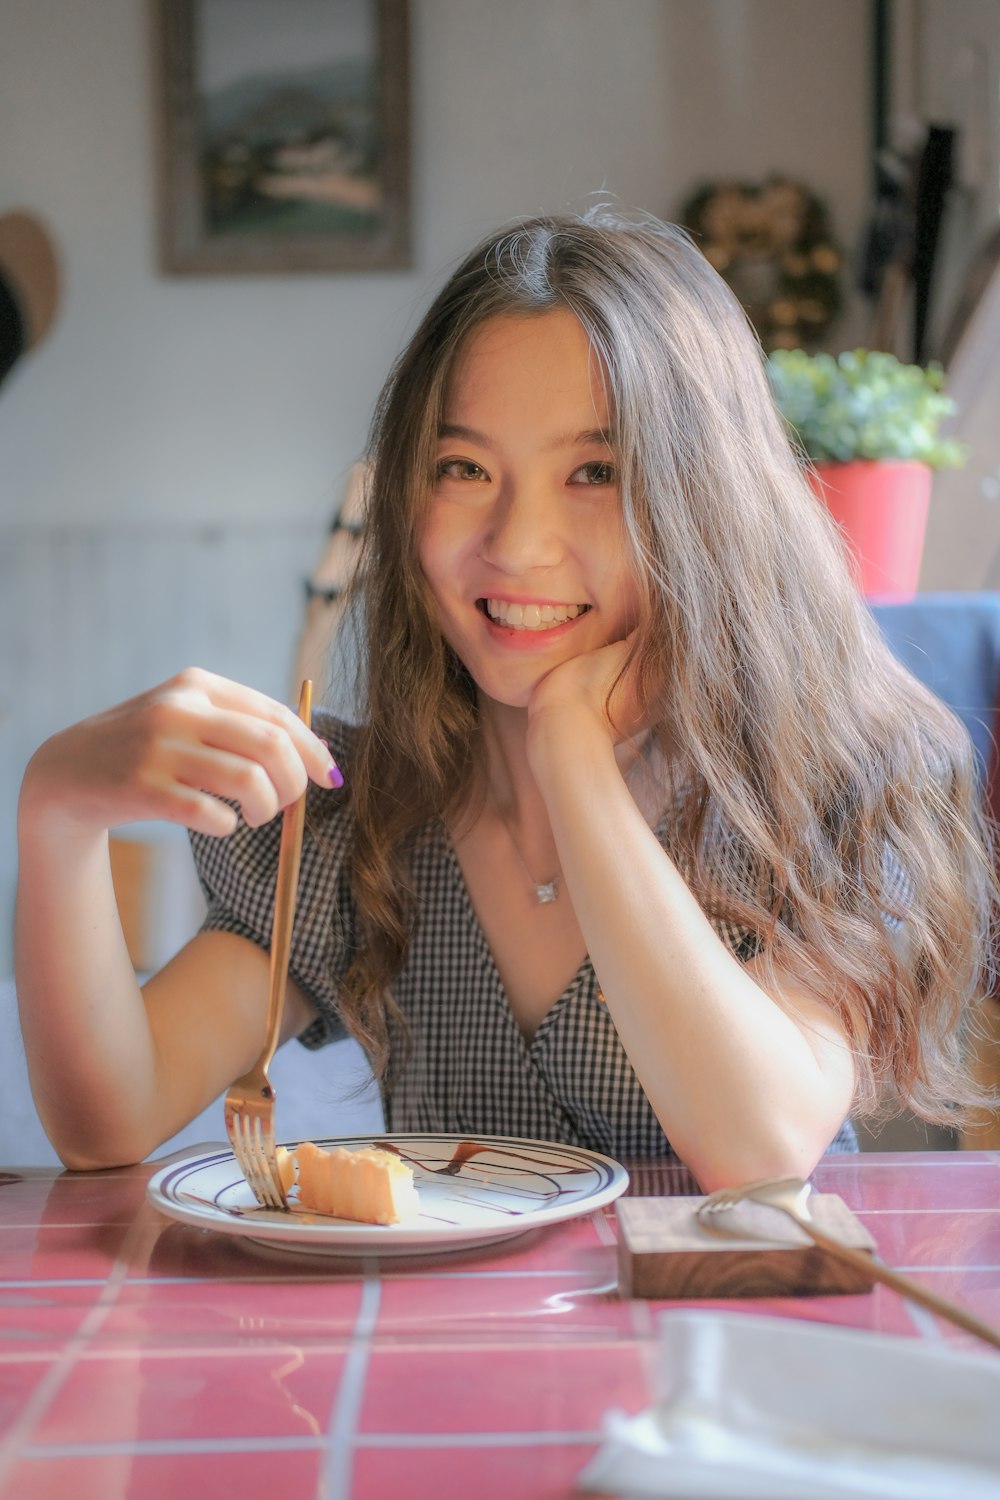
(531, 616)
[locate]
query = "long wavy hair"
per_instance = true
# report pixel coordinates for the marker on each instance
(811, 764)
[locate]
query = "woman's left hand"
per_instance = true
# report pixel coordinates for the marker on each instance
(597, 686)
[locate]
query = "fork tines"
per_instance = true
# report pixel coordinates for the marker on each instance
(255, 1151)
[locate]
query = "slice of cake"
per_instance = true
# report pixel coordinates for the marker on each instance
(286, 1168)
(369, 1185)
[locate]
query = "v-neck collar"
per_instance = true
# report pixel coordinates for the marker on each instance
(583, 978)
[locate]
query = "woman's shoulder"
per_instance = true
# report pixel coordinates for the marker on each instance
(238, 875)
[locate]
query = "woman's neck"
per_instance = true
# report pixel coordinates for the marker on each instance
(505, 827)
(507, 781)
(506, 786)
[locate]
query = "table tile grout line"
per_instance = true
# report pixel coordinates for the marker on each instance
(335, 1478)
(591, 1343)
(543, 1438)
(158, 1447)
(845, 1161)
(298, 1279)
(155, 1447)
(613, 1340)
(947, 1211)
(13, 1441)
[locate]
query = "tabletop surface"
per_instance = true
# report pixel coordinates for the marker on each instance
(141, 1357)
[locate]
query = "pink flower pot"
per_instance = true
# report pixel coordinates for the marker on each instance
(881, 509)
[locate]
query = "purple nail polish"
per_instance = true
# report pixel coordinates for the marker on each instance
(336, 775)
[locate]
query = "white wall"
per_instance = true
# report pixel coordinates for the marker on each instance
(195, 421)
(954, 68)
(947, 66)
(779, 86)
(244, 398)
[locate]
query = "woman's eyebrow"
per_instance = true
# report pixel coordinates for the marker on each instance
(467, 434)
(594, 435)
(590, 437)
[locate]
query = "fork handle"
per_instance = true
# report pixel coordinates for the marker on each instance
(904, 1285)
(289, 857)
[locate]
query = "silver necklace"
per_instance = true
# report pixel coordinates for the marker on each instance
(545, 892)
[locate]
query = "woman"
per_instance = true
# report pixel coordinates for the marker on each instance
(647, 841)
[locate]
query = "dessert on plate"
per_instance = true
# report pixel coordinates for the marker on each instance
(368, 1185)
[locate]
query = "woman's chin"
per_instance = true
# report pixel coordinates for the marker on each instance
(504, 699)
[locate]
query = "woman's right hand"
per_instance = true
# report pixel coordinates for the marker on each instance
(170, 754)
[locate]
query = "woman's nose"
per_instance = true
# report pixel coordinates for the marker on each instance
(523, 532)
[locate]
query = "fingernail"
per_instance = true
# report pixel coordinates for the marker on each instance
(336, 775)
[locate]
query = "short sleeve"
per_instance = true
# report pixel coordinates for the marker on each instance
(238, 875)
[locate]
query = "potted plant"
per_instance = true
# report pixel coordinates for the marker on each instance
(871, 429)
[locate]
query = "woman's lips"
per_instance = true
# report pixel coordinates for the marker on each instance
(527, 637)
(530, 615)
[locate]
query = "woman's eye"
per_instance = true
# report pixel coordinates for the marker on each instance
(599, 471)
(460, 468)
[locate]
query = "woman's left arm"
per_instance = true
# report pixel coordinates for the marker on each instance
(746, 1082)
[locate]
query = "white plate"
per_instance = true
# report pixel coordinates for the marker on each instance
(473, 1191)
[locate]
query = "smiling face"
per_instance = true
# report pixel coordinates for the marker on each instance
(523, 545)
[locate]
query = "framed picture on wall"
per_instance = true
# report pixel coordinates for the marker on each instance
(284, 135)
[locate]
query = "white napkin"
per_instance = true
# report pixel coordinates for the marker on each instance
(758, 1408)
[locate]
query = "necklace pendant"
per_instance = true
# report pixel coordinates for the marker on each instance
(546, 893)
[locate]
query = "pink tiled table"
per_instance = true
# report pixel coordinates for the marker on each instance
(144, 1359)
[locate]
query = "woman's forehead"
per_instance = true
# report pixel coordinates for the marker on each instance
(548, 356)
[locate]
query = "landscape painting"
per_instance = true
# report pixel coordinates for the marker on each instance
(285, 135)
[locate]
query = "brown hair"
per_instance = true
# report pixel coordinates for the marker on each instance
(812, 765)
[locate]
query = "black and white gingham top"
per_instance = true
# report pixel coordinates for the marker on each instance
(469, 1069)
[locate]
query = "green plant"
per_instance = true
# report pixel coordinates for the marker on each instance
(863, 404)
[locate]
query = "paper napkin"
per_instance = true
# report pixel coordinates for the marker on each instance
(759, 1408)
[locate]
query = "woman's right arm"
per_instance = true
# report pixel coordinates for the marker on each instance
(116, 1069)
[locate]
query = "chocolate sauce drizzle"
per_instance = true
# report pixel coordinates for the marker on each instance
(478, 1188)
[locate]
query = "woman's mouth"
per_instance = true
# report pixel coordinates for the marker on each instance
(529, 616)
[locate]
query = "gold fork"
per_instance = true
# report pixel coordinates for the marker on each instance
(790, 1195)
(250, 1100)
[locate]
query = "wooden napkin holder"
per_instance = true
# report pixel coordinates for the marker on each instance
(665, 1250)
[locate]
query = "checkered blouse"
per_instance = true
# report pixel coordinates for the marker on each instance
(469, 1069)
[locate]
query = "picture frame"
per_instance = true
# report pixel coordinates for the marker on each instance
(284, 135)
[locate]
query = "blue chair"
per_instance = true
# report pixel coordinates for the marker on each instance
(951, 643)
